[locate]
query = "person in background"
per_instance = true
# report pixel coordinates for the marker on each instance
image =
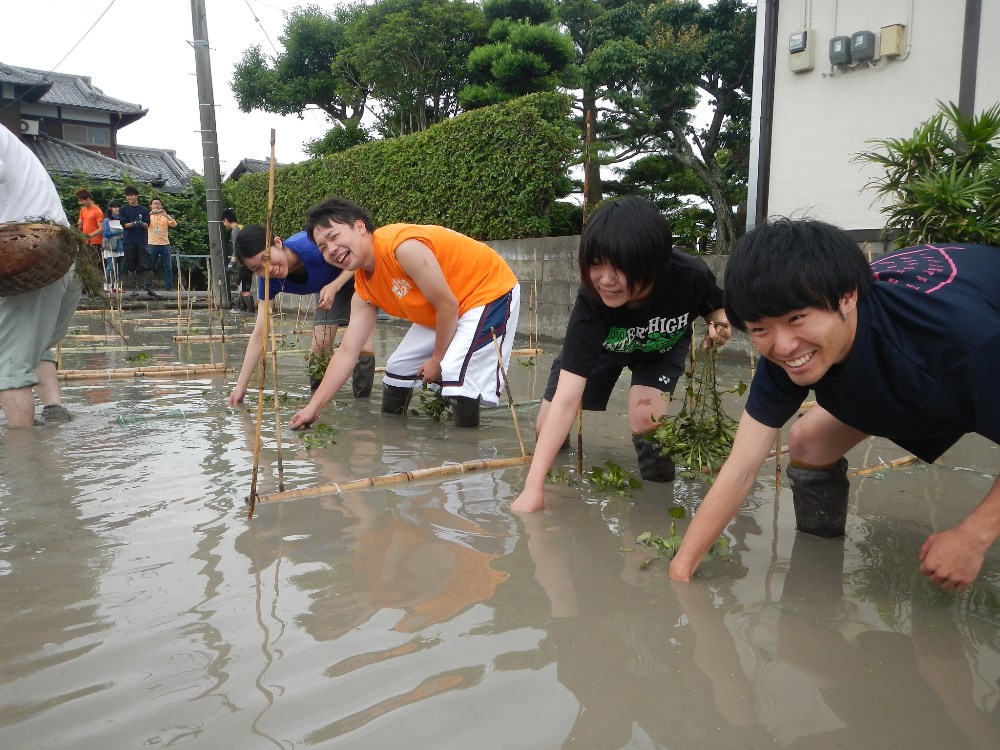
(112, 251)
(90, 220)
(296, 267)
(158, 239)
(245, 275)
(457, 292)
(135, 220)
(634, 310)
(906, 348)
(33, 322)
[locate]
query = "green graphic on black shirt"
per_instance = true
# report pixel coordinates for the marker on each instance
(629, 340)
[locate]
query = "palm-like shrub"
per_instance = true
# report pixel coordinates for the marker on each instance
(942, 183)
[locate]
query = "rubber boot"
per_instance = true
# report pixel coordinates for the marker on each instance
(364, 375)
(466, 411)
(652, 466)
(395, 399)
(820, 499)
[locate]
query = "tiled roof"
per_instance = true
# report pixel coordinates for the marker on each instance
(68, 90)
(250, 166)
(60, 157)
(160, 162)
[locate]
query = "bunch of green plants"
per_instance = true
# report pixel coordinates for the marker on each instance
(316, 364)
(701, 435)
(559, 476)
(613, 479)
(321, 436)
(139, 358)
(666, 547)
(942, 184)
(430, 403)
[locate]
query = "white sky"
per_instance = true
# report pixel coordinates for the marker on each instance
(140, 52)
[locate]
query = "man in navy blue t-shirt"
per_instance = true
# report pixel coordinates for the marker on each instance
(906, 348)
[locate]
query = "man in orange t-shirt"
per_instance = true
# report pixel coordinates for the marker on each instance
(91, 218)
(458, 293)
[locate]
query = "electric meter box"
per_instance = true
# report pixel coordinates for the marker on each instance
(862, 46)
(840, 50)
(801, 55)
(891, 40)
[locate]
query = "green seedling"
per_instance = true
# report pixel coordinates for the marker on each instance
(139, 358)
(613, 479)
(430, 404)
(321, 436)
(528, 362)
(76, 330)
(666, 547)
(561, 477)
(316, 365)
(701, 435)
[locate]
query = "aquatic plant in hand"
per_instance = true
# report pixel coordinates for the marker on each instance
(666, 547)
(431, 404)
(701, 435)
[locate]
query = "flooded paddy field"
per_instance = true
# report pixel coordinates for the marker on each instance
(142, 608)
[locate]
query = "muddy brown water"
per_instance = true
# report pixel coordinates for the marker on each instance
(141, 608)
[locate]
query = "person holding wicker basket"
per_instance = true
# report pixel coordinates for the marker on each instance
(39, 290)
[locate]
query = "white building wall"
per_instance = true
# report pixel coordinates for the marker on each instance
(822, 118)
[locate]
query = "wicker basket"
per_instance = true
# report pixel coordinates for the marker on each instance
(33, 255)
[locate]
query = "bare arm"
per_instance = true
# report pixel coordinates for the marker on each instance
(341, 363)
(952, 558)
(719, 330)
(254, 347)
(420, 264)
(753, 443)
(562, 411)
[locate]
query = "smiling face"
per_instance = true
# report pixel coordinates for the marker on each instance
(133, 200)
(279, 262)
(806, 343)
(612, 285)
(345, 246)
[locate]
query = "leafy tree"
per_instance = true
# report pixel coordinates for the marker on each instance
(311, 72)
(703, 51)
(527, 54)
(943, 182)
(412, 54)
(339, 138)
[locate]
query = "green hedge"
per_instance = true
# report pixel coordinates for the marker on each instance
(492, 173)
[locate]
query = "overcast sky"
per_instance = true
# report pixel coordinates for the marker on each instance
(140, 52)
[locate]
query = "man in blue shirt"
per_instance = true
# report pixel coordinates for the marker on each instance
(907, 348)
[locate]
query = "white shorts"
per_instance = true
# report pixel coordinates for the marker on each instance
(470, 366)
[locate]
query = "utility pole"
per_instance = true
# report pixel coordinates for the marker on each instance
(210, 153)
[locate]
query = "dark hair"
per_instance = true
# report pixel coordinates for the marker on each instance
(631, 235)
(251, 241)
(334, 209)
(790, 264)
(229, 215)
(115, 204)
(82, 194)
(130, 190)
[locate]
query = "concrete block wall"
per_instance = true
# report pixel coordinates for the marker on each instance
(549, 265)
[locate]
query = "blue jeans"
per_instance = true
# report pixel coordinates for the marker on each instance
(160, 253)
(114, 271)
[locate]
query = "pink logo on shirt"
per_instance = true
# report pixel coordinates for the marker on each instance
(926, 268)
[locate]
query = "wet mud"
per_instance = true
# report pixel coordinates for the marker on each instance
(142, 608)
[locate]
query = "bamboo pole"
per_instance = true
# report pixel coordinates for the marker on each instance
(252, 499)
(506, 383)
(397, 478)
(144, 372)
(90, 337)
(894, 464)
(200, 337)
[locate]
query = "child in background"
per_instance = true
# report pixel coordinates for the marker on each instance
(112, 250)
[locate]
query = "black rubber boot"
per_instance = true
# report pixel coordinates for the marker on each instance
(395, 399)
(466, 411)
(820, 499)
(364, 376)
(314, 383)
(652, 466)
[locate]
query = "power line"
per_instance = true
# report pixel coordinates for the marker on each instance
(259, 24)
